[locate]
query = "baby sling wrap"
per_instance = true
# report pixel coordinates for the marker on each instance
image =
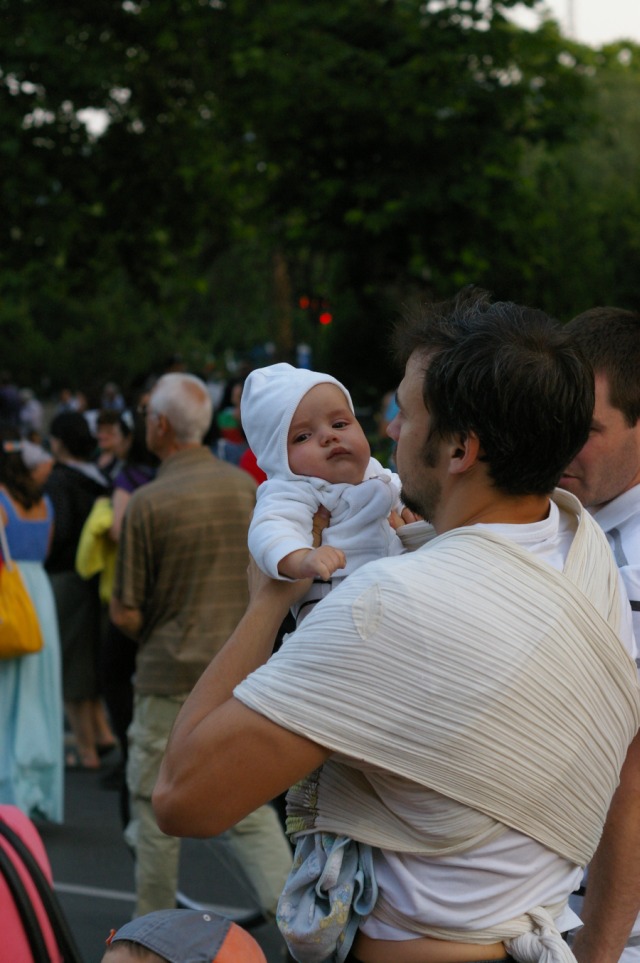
(479, 673)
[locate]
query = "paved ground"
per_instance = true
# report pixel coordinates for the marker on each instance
(93, 871)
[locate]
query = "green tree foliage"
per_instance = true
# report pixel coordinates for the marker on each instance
(111, 238)
(365, 152)
(585, 196)
(389, 138)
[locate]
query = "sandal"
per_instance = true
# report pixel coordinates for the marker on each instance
(106, 748)
(73, 760)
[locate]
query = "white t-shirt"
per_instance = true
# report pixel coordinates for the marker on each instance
(506, 877)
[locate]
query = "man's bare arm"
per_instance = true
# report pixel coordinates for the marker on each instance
(223, 760)
(612, 899)
(127, 619)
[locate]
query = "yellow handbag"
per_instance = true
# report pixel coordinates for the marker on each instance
(19, 628)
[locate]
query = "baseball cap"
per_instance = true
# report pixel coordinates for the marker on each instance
(191, 936)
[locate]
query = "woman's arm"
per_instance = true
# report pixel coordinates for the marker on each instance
(224, 760)
(120, 500)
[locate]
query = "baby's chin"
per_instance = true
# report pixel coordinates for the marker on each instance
(346, 473)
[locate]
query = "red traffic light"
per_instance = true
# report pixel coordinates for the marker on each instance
(318, 308)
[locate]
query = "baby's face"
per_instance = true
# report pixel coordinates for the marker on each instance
(325, 440)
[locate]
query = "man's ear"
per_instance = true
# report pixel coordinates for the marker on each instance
(465, 452)
(163, 423)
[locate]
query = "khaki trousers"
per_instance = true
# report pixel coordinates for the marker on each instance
(258, 841)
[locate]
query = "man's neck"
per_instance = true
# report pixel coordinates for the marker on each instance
(175, 448)
(596, 508)
(493, 509)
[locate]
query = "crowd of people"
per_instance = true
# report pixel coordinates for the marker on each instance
(454, 718)
(73, 529)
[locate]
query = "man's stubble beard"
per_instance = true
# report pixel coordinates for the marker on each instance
(426, 502)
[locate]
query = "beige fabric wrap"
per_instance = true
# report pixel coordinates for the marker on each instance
(478, 673)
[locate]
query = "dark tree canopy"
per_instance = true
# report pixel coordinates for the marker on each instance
(362, 153)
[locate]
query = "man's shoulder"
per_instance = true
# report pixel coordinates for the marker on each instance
(66, 479)
(225, 469)
(191, 477)
(227, 479)
(193, 464)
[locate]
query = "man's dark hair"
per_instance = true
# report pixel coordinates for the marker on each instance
(109, 416)
(511, 375)
(71, 428)
(609, 338)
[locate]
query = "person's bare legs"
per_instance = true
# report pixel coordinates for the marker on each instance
(80, 714)
(103, 736)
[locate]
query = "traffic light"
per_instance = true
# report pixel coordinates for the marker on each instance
(319, 309)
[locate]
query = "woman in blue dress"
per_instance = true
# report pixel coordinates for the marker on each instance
(31, 712)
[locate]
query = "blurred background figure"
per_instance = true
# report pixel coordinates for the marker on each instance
(73, 485)
(9, 400)
(112, 398)
(31, 715)
(118, 657)
(248, 462)
(113, 432)
(384, 446)
(31, 415)
(138, 468)
(38, 460)
(228, 440)
(67, 401)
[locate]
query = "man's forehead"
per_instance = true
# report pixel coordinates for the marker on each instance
(416, 367)
(603, 388)
(410, 392)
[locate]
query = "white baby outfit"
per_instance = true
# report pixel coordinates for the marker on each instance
(286, 502)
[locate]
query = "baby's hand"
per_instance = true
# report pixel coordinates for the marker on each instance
(406, 518)
(322, 562)
(319, 562)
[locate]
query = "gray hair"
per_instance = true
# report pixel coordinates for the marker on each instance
(185, 402)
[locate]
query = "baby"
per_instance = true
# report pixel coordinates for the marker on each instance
(302, 428)
(182, 936)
